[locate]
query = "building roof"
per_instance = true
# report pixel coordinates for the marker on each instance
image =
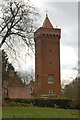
(47, 23)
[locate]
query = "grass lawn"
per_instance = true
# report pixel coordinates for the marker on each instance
(35, 112)
(0, 113)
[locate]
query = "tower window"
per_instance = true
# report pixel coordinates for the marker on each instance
(50, 62)
(37, 79)
(50, 79)
(43, 34)
(37, 76)
(50, 50)
(51, 91)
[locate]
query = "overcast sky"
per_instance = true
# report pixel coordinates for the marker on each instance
(64, 15)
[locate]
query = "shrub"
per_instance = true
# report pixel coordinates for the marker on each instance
(61, 103)
(75, 104)
(44, 103)
(58, 103)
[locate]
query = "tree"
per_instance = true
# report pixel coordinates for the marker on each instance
(78, 78)
(27, 76)
(17, 23)
(8, 71)
(71, 89)
(4, 66)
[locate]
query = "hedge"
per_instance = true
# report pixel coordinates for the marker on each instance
(61, 103)
(39, 102)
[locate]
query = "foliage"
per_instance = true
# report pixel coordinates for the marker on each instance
(17, 25)
(39, 102)
(61, 103)
(71, 90)
(28, 75)
(17, 20)
(6, 66)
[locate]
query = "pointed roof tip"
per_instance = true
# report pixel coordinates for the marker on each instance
(46, 15)
(47, 23)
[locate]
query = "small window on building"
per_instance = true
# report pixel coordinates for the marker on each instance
(50, 62)
(37, 76)
(37, 79)
(31, 89)
(50, 50)
(50, 79)
(51, 91)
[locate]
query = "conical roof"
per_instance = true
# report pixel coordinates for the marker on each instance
(47, 23)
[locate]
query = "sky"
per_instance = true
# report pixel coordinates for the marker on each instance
(63, 15)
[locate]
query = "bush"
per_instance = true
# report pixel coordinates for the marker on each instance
(7, 99)
(61, 103)
(39, 102)
(44, 103)
(75, 104)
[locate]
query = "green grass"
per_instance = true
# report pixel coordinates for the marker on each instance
(35, 112)
(0, 113)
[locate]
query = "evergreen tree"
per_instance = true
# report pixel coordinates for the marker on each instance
(4, 65)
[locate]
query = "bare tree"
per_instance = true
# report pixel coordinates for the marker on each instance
(17, 23)
(27, 76)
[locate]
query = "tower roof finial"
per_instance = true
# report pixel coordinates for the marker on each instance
(46, 13)
(47, 23)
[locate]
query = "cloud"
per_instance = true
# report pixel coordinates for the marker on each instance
(65, 16)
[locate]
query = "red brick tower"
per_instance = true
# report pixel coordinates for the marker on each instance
(47, 60)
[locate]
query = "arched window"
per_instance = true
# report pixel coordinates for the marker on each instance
(31, 89)
(50, 79)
